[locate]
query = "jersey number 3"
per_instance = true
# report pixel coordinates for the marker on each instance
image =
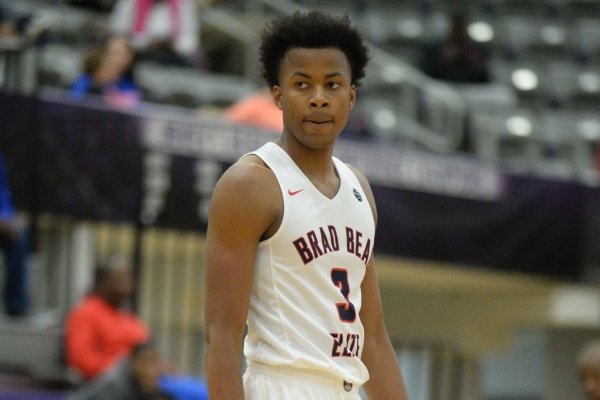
(346, 310)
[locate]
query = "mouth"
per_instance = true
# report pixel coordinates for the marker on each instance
(318, 121)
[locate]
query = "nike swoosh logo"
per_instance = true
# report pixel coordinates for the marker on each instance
(295, 192)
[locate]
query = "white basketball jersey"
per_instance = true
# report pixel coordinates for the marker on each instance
(306, 297)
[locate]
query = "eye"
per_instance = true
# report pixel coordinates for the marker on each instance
(301, 85)
(333, 85)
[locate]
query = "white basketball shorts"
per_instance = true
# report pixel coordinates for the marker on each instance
(277, 383)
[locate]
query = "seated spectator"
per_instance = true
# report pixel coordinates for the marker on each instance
(458, 58)
(13, 243)
(108, 72)
(102, 331)
(134, 377)
(163, 31)
(257, 110)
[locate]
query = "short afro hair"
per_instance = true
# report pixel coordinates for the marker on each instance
(313, 30)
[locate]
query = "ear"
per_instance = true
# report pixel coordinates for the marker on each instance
(276, 92)
(352, 96)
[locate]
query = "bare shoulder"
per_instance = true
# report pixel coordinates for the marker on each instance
(247, 196)
(249, 173)
(366, 186)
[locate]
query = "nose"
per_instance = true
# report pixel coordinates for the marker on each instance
(319, 98)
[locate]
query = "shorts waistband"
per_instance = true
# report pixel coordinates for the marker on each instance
(311, 376)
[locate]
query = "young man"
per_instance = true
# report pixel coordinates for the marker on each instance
(290, 239)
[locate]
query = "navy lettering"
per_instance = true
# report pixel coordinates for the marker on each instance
(358, 244)
(367, 252)
(321, 241)
(314, 244)
(337, 343)
(326, 247)
(350, 240)
(345, 345)
(334, 238)
(303, 250)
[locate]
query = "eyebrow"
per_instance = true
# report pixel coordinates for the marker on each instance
(307, 76)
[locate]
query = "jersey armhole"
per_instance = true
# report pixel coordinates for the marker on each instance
(265, 242)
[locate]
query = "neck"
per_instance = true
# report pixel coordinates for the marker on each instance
(315, 163)
(110, 300)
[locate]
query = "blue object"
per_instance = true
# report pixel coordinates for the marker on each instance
(15, 249)
(84, 85)
(184, 387)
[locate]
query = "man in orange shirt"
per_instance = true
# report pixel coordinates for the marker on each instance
(101, 329)
(102, 334)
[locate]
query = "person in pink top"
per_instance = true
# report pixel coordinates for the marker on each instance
(163, 31)
(101, 329)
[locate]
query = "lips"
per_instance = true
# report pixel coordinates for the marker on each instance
(318, 119)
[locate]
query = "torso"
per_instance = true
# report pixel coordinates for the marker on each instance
(305, 301)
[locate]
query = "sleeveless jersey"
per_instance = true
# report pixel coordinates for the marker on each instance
(306, 297)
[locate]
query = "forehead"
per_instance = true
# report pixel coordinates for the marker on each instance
(314, 61)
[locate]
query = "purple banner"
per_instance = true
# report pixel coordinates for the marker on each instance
(159, 167)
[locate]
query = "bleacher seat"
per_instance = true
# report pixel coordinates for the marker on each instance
(582, 8)
(585, 39)
(190, 87)
(381, 117)
(573, 136)
(522, 7)
(403, 34)
(527, 79)
(529, 38)
(59, 64)
(506, 136)
(574, 87)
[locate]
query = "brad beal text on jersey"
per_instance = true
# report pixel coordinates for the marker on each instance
(324, 240)
(305, 303)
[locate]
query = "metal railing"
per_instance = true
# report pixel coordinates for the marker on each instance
(431, 113)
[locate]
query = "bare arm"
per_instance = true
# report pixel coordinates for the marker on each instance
(243, 207)
(385, 380)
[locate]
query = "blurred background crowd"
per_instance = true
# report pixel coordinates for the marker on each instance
(478, 123)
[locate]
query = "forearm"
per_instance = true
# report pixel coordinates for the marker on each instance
(385, 380)
(223, 370)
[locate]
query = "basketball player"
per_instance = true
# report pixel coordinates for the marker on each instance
(291, 236)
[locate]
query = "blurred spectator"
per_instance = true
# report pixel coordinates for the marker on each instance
(13, 23)
(13, 242)
(589, 369)
(134, 377)
(163, 31)
(458, 58)
(102, 331)
(108, 72)
(257, 110)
